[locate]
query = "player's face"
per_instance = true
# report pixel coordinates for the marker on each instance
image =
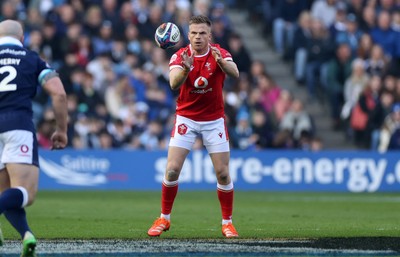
(199, 37)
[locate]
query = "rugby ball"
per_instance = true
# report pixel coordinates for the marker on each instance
(167, 35)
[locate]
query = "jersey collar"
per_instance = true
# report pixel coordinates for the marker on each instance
(208, 50)
(10, 41)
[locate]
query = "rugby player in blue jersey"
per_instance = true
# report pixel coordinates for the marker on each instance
(21, 72)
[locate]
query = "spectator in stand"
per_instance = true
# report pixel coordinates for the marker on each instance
(339, 24)
(354, 85)
(125, 19)
(384, 36)
(390, 126)
(397, 91)
(362, 110)
(284, 26)
(132, 39)
(98, 67)
(120, 133)
(296, 121)
(365, 46)
(153, 20)
(65, 16)
(110, 12)
(51, 44)
(69, 67)
(351, 35)
(239, 53)
(395, 25)
(79, 9)
(104, 41)
(34, 21)
(159, 64)
(395, 61)
(201, 7)
(356, 7)
(325, 11)
(256, 69)
(220, 32)
(182, 20)
(368, 19)
(316, 144)
(93, 21)
(218, 12)
(338, 70)
(119, 97)
(262, 129)
(105, 140)
(376, 64)
(389, 84)
(319, 51)
(378, 115)
(44, 132)
(88, 97)
(34, 41)
(280, 108)
(242, 135)
(158, 97)
(269, 91)
(84, 50)
(301, 36)
(385, 5)
(153, 137)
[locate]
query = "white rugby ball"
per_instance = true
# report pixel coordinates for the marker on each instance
(167, 35)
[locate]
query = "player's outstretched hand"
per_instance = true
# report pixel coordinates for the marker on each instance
(216, 53)
(187, 60)
(59, 140)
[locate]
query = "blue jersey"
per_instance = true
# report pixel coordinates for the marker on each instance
(21, 72)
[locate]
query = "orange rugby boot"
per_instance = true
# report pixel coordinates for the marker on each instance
(160, 225)
(228, 230)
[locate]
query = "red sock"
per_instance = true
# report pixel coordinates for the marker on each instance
(226, 201)
(168, 193)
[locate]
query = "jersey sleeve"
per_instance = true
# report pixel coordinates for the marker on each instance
(175, 61)
(43, 69)
(225, 54)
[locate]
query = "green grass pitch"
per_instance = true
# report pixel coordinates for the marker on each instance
(196, 214)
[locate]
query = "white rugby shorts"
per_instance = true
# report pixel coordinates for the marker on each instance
(214, 134)
(17, 146)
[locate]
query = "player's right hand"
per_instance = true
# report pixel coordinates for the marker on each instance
(59, 140)
(187, 60)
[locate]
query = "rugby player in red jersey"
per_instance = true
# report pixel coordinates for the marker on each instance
(198, 71)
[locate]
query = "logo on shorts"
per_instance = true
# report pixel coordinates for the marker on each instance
(220, 135)
(24, 148)
(182, 129)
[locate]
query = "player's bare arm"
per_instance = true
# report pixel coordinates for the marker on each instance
(55, 89)
(177, 76)
(229, 67)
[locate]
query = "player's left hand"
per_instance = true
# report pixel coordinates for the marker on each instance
(59, 140)
(216, 54)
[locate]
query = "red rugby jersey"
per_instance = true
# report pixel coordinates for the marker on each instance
(200, 96)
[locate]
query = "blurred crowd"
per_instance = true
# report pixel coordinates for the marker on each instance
(345, 53)
(117, 79)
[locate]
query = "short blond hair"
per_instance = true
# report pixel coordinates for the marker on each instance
(200, 19)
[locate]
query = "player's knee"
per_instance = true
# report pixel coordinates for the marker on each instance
(31, 196)
(172, 175)
(223, 178)
(28, 195)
